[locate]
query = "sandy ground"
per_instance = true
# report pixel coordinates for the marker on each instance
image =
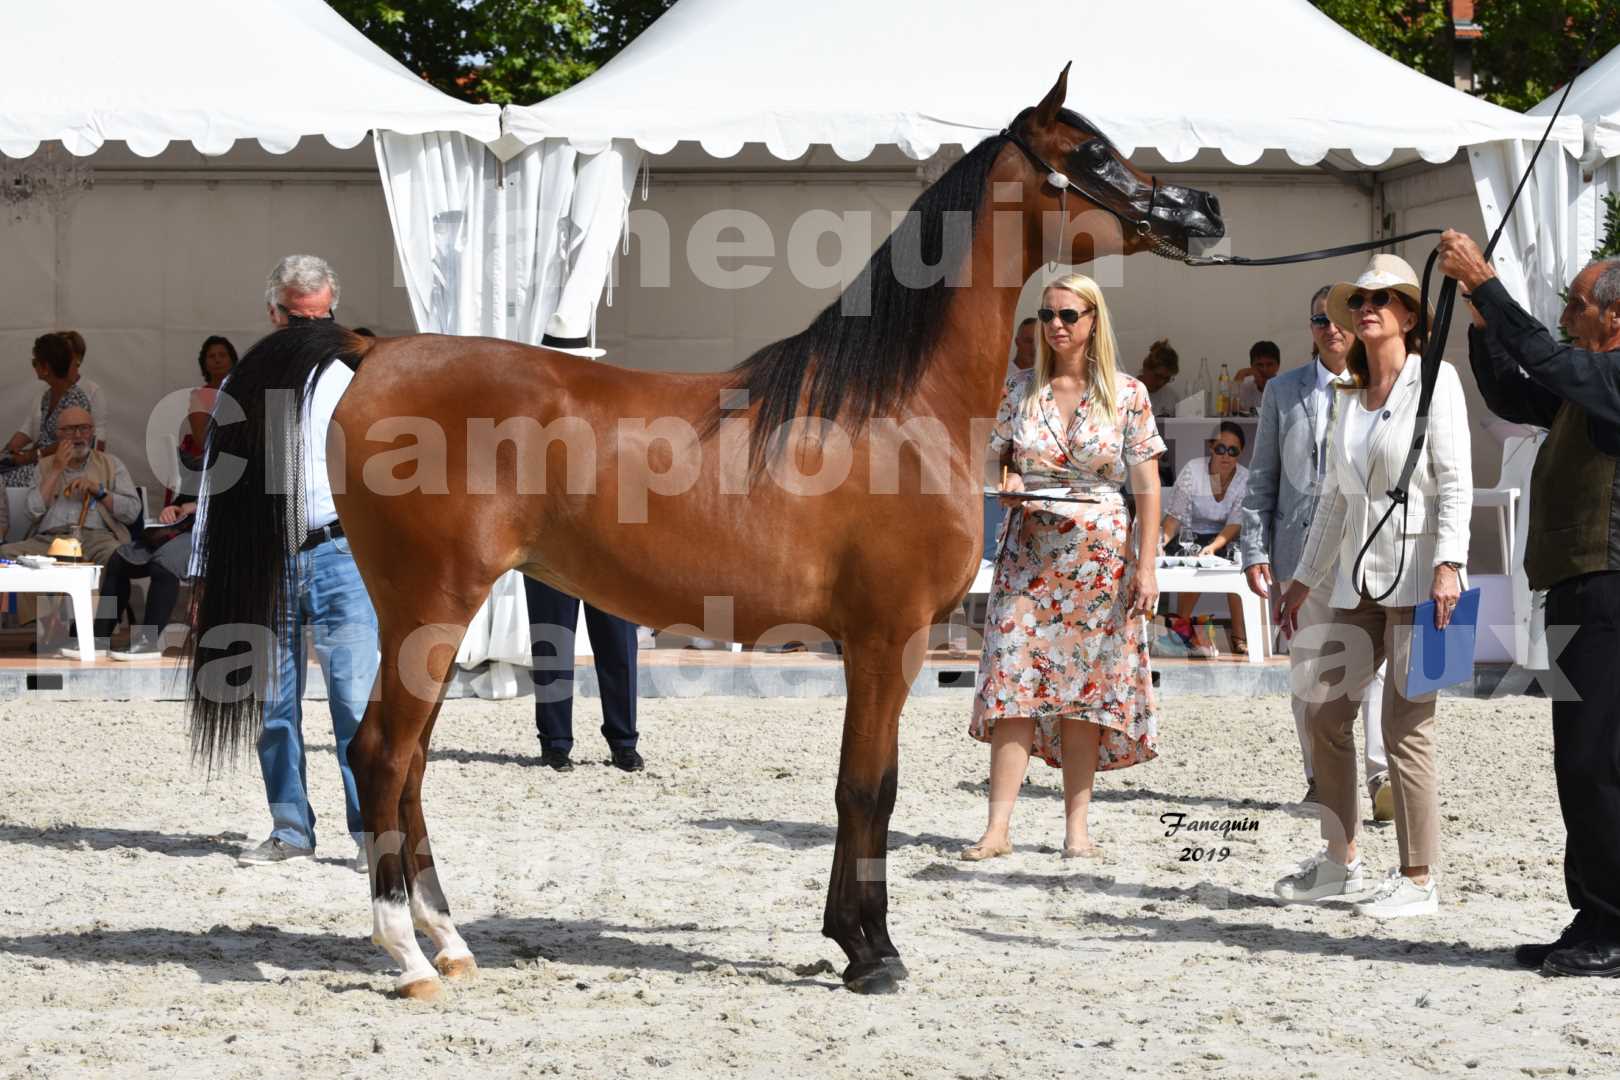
(666, 924)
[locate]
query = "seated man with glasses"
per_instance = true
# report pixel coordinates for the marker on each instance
(79, 483)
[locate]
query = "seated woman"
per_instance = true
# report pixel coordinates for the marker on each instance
(1208, 501)
(36, 438)
(162, 553)
(216, 359)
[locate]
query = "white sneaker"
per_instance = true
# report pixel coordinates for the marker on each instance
(1320, 878)
(71, 652)
(1399, 896)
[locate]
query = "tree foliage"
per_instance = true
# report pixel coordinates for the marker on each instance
(501, 51)
(1415, 32)
(1526, 50)
(521, 51)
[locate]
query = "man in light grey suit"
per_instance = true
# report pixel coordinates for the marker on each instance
(1285, 476)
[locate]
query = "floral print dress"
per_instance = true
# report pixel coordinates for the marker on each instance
(1057, 642)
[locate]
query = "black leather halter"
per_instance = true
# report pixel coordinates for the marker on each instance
(1142, 226)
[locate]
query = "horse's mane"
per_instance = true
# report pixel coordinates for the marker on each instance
(856, 367)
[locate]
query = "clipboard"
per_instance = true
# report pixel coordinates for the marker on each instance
(1056, 495)
(1442, 658)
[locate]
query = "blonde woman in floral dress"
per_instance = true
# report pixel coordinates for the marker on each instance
(1065, 665)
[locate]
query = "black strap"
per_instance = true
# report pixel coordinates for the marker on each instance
(1434, 350)
(1308, 256)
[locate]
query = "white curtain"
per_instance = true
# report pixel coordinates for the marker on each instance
(1542, 248)
(491, 249)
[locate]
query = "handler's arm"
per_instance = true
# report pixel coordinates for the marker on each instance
(1508, 392)
(1590, 380)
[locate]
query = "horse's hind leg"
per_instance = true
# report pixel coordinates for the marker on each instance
(868, 776)
(416, 659)
(430, 911)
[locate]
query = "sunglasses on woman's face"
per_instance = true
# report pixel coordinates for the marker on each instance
(1321, 322)
(1225, 451)
(1378, 299)
(1069, 315)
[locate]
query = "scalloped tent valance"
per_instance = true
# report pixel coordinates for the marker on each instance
(1596, 100)
(206, 72)
(1175, 76)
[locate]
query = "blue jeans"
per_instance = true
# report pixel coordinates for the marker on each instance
(330, 607)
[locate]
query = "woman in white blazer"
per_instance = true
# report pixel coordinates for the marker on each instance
(1417, 556)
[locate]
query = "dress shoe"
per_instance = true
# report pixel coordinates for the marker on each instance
(1382, 793)
(1598, 956)
(556, 759)
(1579, 930)
(628, 760)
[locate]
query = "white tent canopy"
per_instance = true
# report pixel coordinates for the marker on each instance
(209, 73)
(1596, 100)
(1176, 76)
(1558, 220)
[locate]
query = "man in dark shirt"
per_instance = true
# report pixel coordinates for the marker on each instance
(1573, 552)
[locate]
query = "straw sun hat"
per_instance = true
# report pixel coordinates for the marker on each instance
(1383, 272)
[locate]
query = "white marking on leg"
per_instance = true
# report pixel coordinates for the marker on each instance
(429, 916)
(391, 928)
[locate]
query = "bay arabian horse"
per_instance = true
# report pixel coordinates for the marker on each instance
(874, 561)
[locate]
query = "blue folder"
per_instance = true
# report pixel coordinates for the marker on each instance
(1442, 657)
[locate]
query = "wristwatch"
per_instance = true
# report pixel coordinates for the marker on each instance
(1456, 566)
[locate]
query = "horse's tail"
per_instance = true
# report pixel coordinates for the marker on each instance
(245, 541)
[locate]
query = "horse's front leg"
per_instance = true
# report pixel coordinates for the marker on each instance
(868, 776)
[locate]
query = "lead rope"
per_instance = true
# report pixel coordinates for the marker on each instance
(1432, 354)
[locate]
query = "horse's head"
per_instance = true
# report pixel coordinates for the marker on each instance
(1073, 154)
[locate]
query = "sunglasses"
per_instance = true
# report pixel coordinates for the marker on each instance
(1321, 322)
(1225, 451)
(1069, 315)
(70, 430)
(293, 316)
(1378, 299)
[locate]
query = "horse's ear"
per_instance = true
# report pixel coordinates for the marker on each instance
(1046, 113)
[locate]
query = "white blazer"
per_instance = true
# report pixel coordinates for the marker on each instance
(1438, 506)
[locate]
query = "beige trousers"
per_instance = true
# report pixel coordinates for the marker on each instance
(1350, 646)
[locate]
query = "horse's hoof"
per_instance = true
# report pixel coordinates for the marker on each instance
(456, 968)
(421, 990)
(871, 977)
(896, 967)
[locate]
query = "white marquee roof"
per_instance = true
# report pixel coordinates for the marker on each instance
(207, 72)
(1596, 100)
(1177, 76)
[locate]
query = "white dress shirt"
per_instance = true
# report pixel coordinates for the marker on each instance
(319, 405)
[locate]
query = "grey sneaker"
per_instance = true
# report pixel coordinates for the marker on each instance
(273, 850)
(1320, 878)
(362, 860)
(144, 645)
(1399, 897)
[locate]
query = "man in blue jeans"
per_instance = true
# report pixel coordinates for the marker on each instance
(330, 606)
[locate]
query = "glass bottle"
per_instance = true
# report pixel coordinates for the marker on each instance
(1223, 393)
(1203, 387)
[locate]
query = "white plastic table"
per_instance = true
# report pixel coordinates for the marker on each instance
(1256, 614)
(1189, 579)
(77, 580)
